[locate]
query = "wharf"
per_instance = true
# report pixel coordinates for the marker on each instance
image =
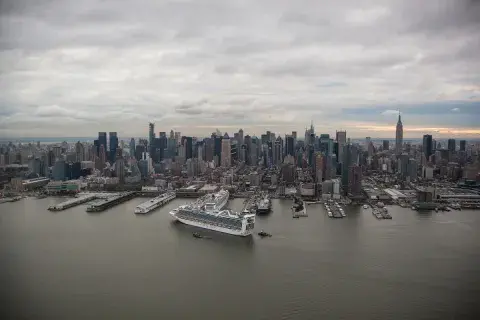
(4, 200)
(155, 203)
(299, 214)
(110, 202)
(424, 206)
(72, 203)
(250, 204)
(313, 202)
(334, 210)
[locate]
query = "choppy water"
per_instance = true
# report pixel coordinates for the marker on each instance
(116, 265)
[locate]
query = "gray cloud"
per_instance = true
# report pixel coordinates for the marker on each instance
(86, 66)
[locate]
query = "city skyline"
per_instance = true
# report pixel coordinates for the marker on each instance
(92, 66)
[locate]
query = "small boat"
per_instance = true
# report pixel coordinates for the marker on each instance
(365, 206)
(296, 217)
(197, 235)
(264, 234)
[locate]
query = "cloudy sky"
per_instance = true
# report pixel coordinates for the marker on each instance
(72, 68)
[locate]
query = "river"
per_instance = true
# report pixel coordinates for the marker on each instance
(117, 265)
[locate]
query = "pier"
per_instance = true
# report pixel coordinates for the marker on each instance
(155, 203)
(110, 202)
(334, 210)
(250, 205)
(72, 203)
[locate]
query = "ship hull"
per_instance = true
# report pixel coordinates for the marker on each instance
(214, 228)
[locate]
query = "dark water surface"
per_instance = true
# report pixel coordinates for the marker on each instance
(116, 265)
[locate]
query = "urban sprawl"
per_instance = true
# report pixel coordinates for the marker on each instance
(431, 174)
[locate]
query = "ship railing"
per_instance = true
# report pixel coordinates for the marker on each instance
(236, 225)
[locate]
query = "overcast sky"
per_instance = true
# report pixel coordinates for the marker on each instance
(73, 68)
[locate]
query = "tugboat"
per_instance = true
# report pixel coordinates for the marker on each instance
(264, 234)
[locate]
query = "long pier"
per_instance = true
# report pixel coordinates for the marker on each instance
(72, 203)
(155, 203)
(250, 204)
(110, 202)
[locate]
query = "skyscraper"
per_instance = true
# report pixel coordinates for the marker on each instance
(119, 166)
(463, 145)
(386, 145)
(226, 153)
(346, 162)
(399, 136)
(319, 166)
(451, 145)
(151, 137)
(188, 148)
(341, 137)
(217, 148)
(132, 148)
(102, 140)
(240, 136)
(113, 146)
(290, 146)
(427, 146)
(355, 180)
(79, 151)
(102, 157)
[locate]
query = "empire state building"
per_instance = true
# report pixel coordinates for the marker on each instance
(399, 136)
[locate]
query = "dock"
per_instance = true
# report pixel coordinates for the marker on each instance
(72, 203)
(250, 204)
(313, 202)
(155, 203)
(335, 210)
(110, 202)
(4, 200)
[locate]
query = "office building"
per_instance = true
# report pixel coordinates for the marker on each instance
(59, 170)
(399, 136)
(355, 180)
(120, 166)
(132, 148)
(113, 145)
(463, 145)
(451, 145)
(386, 145)
(226, 160)
(79, 152)
(102, 141)
(427, 146)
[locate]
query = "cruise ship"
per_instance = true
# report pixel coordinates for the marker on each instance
(154, 203)
(207, 213)
(264, 205)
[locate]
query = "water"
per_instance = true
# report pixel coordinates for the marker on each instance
(116, 265)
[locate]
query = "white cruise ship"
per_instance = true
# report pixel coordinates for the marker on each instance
(207, 213)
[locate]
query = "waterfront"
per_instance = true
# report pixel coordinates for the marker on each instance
(118, 265)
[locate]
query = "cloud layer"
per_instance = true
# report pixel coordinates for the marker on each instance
(72, 68)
